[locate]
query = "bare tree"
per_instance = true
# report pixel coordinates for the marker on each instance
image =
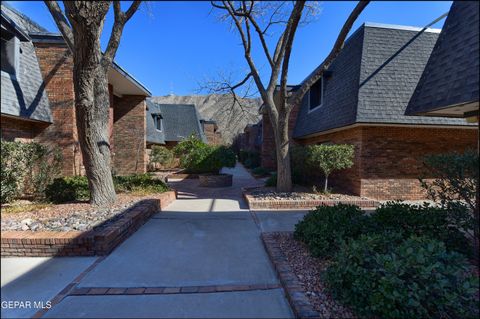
(81, 26)
(252, 20)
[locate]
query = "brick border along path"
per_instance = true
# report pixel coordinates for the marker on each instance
(168, 290)
(299, 302)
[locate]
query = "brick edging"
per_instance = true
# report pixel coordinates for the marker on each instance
(88, 243)
(301, 306)
(282, 204)
(83, 291)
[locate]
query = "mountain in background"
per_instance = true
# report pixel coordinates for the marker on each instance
(231, 117)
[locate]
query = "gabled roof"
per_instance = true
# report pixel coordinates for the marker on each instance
(451, 76)
(372, 79)
(179, 121)
(23, 93)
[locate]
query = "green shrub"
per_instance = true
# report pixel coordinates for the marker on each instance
(323, 229)
(208, 159)
(242, 156)
(271, 181)
(162, 156)
(68, 189)
(454, 177)
(446, 224)
(27, 168)
(188, 145)
(139, 183)
(301, 168)
(260, 171)
(330, 158)
(250, 159)
(383, 276)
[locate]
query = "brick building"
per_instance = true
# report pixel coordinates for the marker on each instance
(251, 138)
(37, 97)
(362, 99)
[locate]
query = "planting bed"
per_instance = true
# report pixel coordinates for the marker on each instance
(264, 198)
(300, 274)
(77, 229)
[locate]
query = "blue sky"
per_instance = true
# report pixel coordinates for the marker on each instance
(171, 46)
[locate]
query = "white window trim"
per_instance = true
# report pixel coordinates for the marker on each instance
(321, 99)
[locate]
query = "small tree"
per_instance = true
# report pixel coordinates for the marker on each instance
(330, 158)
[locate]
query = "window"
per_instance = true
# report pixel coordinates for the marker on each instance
(8, 52)
(157, 119)
(315, 97)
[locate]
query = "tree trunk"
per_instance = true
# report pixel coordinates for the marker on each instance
(92, 113)
(325, 189)
(282, 146)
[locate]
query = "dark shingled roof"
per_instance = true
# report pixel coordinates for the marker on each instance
(179, 122)
(154, 136)
(451, 76)
(23, 94)
(372, 79)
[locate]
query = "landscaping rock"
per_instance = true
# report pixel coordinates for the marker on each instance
(308, 271)
(270, 194)
(69, 217)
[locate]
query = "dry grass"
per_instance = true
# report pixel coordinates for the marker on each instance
(23, 208)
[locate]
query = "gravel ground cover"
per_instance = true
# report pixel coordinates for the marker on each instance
(308, 271)
(79, 216)
(300, 193)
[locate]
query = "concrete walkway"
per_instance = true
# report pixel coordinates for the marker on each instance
(206, 240)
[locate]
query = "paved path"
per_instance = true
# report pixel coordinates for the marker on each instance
(205, 247)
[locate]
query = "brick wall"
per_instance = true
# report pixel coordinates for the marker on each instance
(213, 137)
(392, 157)
(13, 129)
(129, 126)
(56, 64)
(388, 160)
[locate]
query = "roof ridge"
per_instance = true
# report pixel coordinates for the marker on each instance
(23, 16)
(400, 27)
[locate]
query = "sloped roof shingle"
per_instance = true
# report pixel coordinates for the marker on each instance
(372, 79)
(23, 94)
(452, 74)
(179, 122)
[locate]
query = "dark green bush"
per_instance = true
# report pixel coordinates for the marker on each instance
(271, 181)
(446, 224)
(139, 183)
(208, 159)
(68, 189)
(454, 177)
(324, 228)
(242, 156)
(383, 276)
(260, 171)
(27, 168)
(301, 168)
(250, 159)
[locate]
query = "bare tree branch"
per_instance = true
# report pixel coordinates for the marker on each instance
(61, 22)
(296, 15)
(253, 69)
(121, 19)
(318, 72)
